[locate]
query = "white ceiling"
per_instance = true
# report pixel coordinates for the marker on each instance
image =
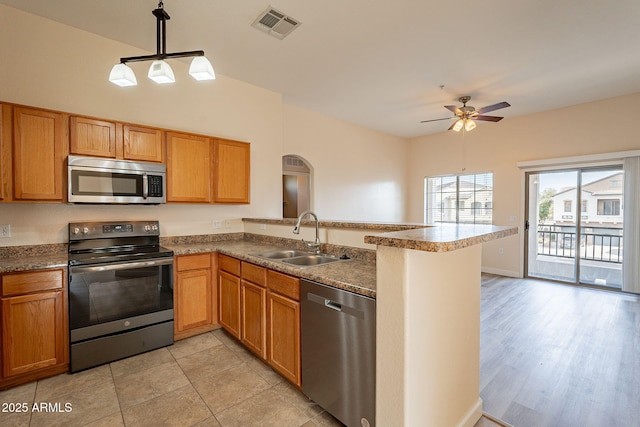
(380, 64)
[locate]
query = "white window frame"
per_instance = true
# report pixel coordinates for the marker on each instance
(436, 210)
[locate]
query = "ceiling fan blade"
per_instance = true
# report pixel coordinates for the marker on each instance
(437, 120)
(488, 118)
(455, 110)
(494, 107)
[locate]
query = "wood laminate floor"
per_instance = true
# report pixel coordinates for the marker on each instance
(558, 355)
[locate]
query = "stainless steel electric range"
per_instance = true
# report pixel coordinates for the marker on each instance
(120, 291)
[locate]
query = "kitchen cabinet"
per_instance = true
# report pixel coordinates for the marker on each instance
(261, 307)
(189, 168)
(34, 325)
(103, 138)
(39, 151)
(231, 180)
(253, 308)
(283, 325)
(195, 296)
(5, 152)
(229, 295)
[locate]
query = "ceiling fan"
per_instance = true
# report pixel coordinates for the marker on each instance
(466, 115)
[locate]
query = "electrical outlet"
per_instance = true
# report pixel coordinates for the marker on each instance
(5, 230)
(217, 223)
(501, 251)
(263, 226)
(226, 223)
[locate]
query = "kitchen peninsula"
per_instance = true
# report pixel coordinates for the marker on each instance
(427, 284)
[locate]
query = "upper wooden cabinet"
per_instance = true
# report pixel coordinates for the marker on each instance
(232, 164)
(5, 152)
(188, 168)
(96, 137)
(39, 151)
(142, 143)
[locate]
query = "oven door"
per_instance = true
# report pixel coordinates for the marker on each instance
(115, 297)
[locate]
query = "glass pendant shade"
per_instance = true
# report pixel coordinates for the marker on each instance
(201, 69)
(122, 75)
(161, 72)
(469, 125)
(458, 125)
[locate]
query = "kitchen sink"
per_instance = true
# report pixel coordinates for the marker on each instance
(310, 260)
(283, 253)
(299, 258)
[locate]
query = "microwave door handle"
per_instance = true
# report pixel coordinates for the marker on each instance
(122, 266)
(145, 186)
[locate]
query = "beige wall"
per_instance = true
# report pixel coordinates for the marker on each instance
(50, 65)
(358, 173)
(597, 127)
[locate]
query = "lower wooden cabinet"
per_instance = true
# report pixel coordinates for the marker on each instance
(195, 296)
(229, 302)
(283, 302)
(35, 327)
(261, 307)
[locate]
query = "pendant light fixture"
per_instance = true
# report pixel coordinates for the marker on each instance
(160, 71)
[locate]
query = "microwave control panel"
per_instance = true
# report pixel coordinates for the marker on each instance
(155, 185)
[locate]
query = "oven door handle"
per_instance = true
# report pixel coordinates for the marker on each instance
(122, 266)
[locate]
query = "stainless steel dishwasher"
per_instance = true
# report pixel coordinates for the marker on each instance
(339, 352)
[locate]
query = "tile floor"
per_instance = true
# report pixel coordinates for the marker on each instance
(206, 380)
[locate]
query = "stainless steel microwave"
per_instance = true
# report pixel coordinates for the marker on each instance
(110, 181)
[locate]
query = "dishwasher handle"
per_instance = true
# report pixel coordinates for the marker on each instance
(332, 305)
(335, 306)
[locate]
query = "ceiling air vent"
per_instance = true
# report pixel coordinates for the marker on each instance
(275, 23)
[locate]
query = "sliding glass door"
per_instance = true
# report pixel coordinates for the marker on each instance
(574, 225)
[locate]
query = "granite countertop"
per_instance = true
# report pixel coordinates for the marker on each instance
(351, 275)
(38, 257)
(443, 238)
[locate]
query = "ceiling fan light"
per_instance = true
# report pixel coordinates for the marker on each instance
(457, 125)
(122, 75)
(161, 72)
(201, 69)
(469, 125)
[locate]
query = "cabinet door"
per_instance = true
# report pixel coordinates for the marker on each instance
(5, 152)
(142, 143)
(229, 303)
(232, 171)
(33, 332)
(193, 300)
(254, 323)
(39, 151)
(188, 168)
(92, 137)
(284, 336)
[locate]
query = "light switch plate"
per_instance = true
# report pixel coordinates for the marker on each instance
(5, 230)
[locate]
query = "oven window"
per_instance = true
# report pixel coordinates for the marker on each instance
(105, 183)
(104, 296)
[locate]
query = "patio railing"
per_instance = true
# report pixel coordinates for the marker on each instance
(593, 246)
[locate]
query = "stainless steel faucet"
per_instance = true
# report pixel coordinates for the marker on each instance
(296, 230)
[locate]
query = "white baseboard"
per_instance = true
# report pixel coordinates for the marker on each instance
(474, 414)
(499, 272)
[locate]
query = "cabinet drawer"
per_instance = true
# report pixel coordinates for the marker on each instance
(193, 262)
(36, 281)
(284, 284)
(228, 264)
(254, 273)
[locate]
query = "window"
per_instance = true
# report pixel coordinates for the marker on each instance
(567, 206)
(584, 206)
(609, 207)
(459, 198)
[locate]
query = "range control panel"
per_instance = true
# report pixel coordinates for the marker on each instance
(97, 230)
